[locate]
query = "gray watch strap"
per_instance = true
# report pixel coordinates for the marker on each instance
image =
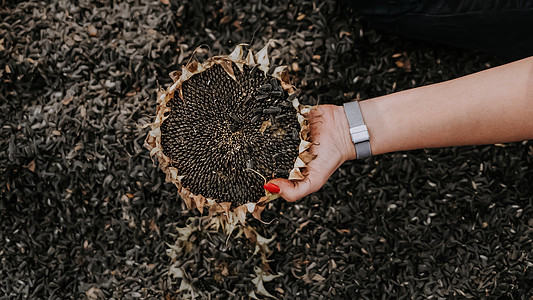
(358, 130)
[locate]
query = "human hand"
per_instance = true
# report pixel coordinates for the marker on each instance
(332, 145)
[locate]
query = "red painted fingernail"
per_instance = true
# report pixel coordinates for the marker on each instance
(271, 188)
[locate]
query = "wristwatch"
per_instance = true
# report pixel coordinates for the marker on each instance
(358, 130)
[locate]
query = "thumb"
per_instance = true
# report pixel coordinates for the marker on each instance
(294, 190)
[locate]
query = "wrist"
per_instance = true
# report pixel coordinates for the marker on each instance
(345, 139)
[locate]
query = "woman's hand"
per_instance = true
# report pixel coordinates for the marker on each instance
(332, 145)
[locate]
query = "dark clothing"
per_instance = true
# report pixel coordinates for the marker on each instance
(500, 27)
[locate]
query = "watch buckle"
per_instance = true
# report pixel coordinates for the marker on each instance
(359, 134)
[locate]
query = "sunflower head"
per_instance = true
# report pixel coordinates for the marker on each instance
(225, 127)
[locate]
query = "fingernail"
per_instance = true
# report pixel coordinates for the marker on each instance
(271, 188)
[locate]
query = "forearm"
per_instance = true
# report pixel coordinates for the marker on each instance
(492, 106)
(488, 107)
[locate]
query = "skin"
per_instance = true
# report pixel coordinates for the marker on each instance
(492, 106)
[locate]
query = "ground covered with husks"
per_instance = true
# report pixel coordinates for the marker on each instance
(85, 212)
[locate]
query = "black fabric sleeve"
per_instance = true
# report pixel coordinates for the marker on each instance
(499, 27)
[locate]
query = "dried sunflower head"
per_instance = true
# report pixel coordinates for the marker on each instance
(225, 127)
